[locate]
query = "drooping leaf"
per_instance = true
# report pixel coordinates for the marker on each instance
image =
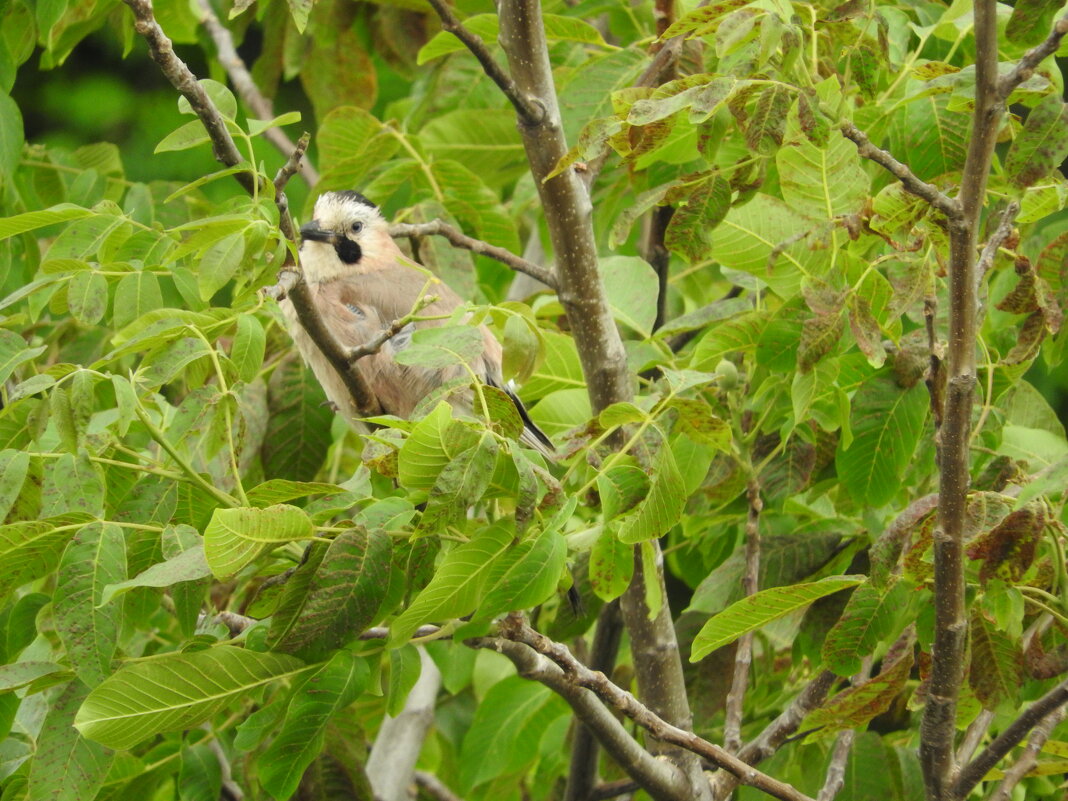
(887, 424)
(661, 508)
(529, 580)
(855, 706)
(868, 619)
(235, 537)
(996, 670)
(341, 599)
(175, 691)
(690, 230)
(66, 766)
(298, 429)
(94, 558)
(754, 611)
(319, 697)
(189, 565)
(1041, 145)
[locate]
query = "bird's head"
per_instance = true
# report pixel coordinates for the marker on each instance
(346, 234)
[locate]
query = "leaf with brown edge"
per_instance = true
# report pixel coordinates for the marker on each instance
(1041, 145)
(1008, 549)
(996, 670)
(703, 20)
(819, 334)
(855, 706)
(813, 123)
(1028, 340)
(1052, 267)
(868, 618)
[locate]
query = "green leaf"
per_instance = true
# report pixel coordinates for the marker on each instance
(87, 297)
(66, 766)
(703, 20)
(405, 666)
(1031, 21)
(530, 580)
(189, 565)
(757, 610)
(31, 549)
(321, 696)
(434, 442)
(298, 428)
(188, 135)
(456, 588)
(611, 565)
(823, 182)
(492, 745)
(280, 490)
(135, 295)
(11, 137)
(756, 238)
(31, 221)
(13, 352)
(1042, 144)
(462, 481)
(235, 537)
(868, 618)
(219, 264)
(74, 484)
(662, 508)
(887, 423)
(19, 674)
(200, 778)
(14, 467)
(219, 94)
(94, 558)
(256, 127)
(629, 283)
(855, 706)
(175, 691)
(250, 343)
(342, 598)
(435, 348)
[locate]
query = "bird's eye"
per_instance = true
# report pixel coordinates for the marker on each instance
(357, 227)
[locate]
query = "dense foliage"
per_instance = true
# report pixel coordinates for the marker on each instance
(165, 457)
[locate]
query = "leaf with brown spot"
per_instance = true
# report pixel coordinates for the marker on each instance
(996, 669)
(1052, 267)
(1008, 549)
(819, 334)
(1022, 299)
(813, 123)
(1041, 145)
(1030, 21)
(857, 705)
(704, 207)
(764, 133)
(866, 330)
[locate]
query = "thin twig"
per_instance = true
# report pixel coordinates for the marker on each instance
(293, 163)
(835, 777)
(990, 251)
(922, 189)
(182, 79)
(660, 778)
(528, 110)
(1029, 758)
(732, 726)
(515, 629)
(434, 787)
(382, 633)
(241, 78)
(776, 733)
(974, 735)
(1025, 67)
(461, 240)
(973, 773)
(375, 343)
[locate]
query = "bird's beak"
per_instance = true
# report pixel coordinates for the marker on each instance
(313, 232)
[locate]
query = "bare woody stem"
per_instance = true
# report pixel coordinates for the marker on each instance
(973, 773)
(1032, 58)
(459, 239)
(182, 79)
(1029, 758)
(515, 629)
(938, 728)
(246, 87)
(743, 659)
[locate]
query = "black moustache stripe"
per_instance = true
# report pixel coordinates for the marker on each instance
(348, 251)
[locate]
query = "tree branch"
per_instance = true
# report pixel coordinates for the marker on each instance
(843, 744)
(776, 733)
(528, 109)
(990, 251)
(1025, 67)
(973, 773)
(922, 189)
(182, 79)
(1029, 758)
(434, 787)
(461, 240)
(515, 629)
(732, 726)
(391, 763)
(241, 78)
(938, 727)
(375, 344)
(662, 780)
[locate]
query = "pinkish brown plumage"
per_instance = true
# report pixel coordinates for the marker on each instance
(361, 282)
